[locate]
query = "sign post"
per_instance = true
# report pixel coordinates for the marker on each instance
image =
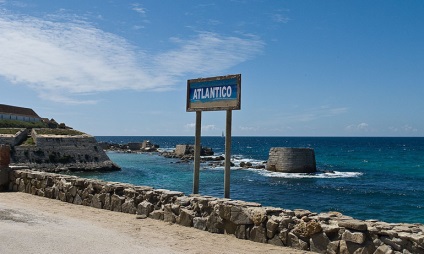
(213, 94)
(227, 154)
(197, 149)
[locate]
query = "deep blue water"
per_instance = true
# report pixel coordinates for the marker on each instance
(376, 178)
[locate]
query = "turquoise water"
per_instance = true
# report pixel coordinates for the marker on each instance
(375, 178)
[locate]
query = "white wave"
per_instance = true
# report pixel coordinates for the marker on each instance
(166, 149)
(318, 174)
(333, 174)
(237, 159)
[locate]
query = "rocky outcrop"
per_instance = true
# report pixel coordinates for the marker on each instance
(186, 153)
(132, 147)
(54, 153)
(329, 232)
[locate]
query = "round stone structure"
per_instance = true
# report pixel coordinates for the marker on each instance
(291, 160)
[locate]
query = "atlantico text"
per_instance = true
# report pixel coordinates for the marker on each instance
(215, 92)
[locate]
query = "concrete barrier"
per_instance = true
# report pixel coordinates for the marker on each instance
(291, 160)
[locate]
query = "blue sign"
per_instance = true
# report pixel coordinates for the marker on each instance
(216, 93)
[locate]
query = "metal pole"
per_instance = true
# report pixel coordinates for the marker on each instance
(227, 155)
(197, 152)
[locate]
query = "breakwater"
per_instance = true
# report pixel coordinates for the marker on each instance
(329, 232)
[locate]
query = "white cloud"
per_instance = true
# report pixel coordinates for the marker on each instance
(207, 53)
(405, 128)
(137, 8)
(209, 127)
(190, 125)
(248, 128)
(279, 18)
(64, 60)
(357, 127)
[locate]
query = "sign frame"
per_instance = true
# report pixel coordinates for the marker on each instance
(214, 93)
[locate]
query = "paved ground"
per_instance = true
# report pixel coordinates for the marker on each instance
(32, 224)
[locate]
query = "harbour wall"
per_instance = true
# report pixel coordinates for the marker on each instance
(329, 232)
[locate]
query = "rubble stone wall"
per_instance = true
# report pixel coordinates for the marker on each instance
(329, 232)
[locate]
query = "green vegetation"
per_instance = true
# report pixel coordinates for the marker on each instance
(66, 132)
(29, 142)
(12, 131)
(21, 124)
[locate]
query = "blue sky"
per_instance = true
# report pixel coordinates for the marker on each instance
(309, 68)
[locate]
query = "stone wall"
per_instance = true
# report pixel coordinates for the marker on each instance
(13, 139)
(329, 232)
(60, 152)
(291, 160)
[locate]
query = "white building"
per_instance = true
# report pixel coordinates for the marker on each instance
(17, 113)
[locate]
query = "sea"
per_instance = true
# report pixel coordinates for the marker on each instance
(379, 178)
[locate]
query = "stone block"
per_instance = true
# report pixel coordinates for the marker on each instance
(284, 236)
(307, 229)
(257, 215)
(200, 223)
(258, 234)
(355, 237)
(319, 243)
(77, 200)
(215, 224)
(296, 243)
(129, 207)
(242, 232)
(276, 241)
(157, 215)
(271, 228)
(106, 204)
(333, 247)
(186, 217)
(395, 243)
(145, 208)
(116, 203)
(353, 224)
(383, 249)
(96, 201)
(238, 215)
(168, 215)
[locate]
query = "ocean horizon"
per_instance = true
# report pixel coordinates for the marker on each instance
(374, 177)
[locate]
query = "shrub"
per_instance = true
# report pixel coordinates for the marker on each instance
(21, 124)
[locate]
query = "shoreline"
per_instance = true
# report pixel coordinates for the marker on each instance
(33, 224)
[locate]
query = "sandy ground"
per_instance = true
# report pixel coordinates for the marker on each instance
(32, 224)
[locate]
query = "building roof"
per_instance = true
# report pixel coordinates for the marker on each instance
(12, 110)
